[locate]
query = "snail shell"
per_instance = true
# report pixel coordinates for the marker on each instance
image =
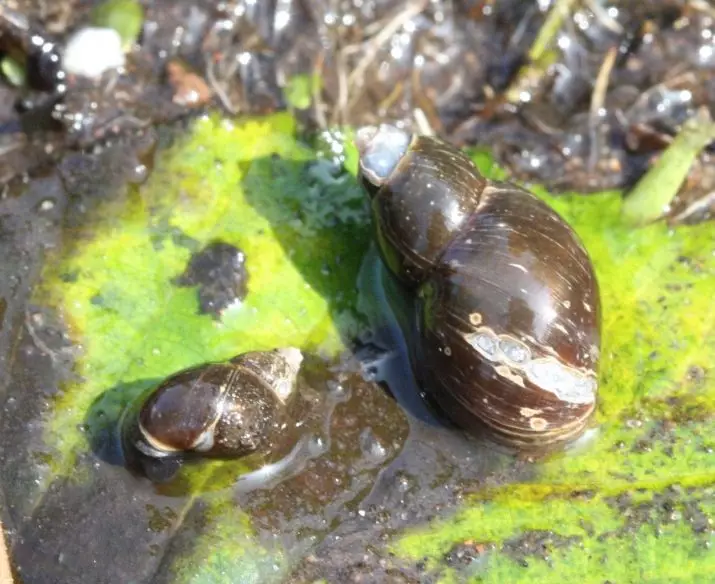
(221, 410)
(506, 328)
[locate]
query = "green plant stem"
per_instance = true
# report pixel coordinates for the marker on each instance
(558, 13)
(537, 61)
(651, 196)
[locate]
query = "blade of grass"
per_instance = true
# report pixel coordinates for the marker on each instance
(539, 55)
(548, 31)
(650, 198)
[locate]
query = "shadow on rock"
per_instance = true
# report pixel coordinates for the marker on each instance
(109, 413)
(321, 218)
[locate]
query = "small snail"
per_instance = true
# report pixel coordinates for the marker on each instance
(505, 335)
(220, 410)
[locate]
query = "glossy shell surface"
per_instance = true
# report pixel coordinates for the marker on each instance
(506, 331)
(223, 410)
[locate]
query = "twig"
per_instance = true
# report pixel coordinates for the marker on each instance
(703, 6)
(340, 112)
(701, 205)
(422, 122)
(598, 97)
(549, 29)
(17, 143)
(389, 101)
(601, 86)
(223, 97)
(318, 104)
(603, 16)
(558, 13)
(425, 107)
(386, 32)
(5, 571)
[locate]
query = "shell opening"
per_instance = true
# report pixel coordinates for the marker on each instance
(381, 149)
(153, 447)
(293, 358)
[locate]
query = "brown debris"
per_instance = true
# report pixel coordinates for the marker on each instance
(190, 89)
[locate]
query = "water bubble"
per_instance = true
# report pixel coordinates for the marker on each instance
(371, 446)
(138, 174)
(317, 446)
(337, 390)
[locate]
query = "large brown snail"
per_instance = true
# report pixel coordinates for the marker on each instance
(506, 326)
(220, 410)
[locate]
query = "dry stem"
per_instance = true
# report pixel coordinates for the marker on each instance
(374, 44)
(5, 571)
(597, 98)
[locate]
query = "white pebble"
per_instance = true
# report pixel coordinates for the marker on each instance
(92, 51)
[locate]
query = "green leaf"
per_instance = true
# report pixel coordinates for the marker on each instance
(124, 16)
(300, 90)
(13, 71)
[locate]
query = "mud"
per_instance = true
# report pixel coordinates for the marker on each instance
(462, 70)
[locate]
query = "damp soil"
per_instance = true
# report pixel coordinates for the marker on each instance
(63, 155)
(586, 105)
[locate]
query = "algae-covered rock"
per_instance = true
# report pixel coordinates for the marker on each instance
(386, 490)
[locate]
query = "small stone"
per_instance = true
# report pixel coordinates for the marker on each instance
(190, 89)
(91, 51)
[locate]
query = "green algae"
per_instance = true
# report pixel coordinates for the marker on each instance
(596, 540)
(304, 230)
(124, 16)
(654, 425)
(134, 325)
(226, 553)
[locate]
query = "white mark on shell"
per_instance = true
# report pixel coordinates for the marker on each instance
(538, 424)
(528, 412)
(567, 304)
(564, 382)
(475, 318)
(515, 351)
(587, 306)
(505, 371)
(512, 359)
(485, 342)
